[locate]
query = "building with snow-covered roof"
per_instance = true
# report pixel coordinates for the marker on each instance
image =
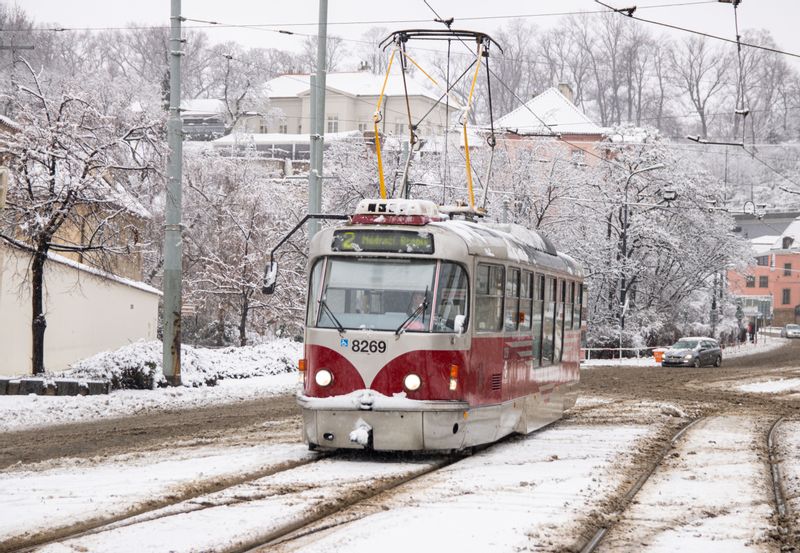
(776, 273)
(552, 114)
(204, 118)
(350, 102)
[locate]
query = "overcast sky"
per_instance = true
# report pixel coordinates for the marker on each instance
(781, 17)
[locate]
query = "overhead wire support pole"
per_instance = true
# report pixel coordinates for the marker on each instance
(317, 142)
(173, 250)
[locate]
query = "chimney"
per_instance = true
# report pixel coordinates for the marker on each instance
(566, 90)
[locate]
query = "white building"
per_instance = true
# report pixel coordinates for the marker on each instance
(350, 102)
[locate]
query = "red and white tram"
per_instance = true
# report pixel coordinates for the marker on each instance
(426, 332)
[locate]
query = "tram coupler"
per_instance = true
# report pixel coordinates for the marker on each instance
(362, 434)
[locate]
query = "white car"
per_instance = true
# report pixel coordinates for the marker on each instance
(790, 331)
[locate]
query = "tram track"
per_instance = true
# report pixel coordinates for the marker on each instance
(591, 545)
(135, 514)
(308, 526)
(786, 533)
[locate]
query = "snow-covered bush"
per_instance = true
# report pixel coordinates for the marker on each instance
(138, 366)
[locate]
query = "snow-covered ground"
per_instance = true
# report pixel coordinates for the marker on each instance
(275, 360)
(532, 493)
(21, 412)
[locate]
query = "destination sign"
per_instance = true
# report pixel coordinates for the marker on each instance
(382, 241)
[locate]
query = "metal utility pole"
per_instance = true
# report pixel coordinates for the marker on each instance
(173, 250)
(317, 122)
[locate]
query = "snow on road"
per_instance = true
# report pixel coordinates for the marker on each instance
(530, 490)
(787, 440)
(228, 519)
(712, 494)
(528, 494)
(37, 500)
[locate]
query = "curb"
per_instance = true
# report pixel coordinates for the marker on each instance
(53, 387)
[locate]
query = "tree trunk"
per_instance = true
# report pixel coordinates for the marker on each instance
(243, 320)
(38, 321)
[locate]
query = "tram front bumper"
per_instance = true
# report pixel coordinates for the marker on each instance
(391, 430)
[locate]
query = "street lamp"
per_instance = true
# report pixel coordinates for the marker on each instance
(623, 292)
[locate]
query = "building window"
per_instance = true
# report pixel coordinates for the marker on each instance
(787, 242)
(763, 282)
(362, 127)
(283, 128)
(787, 297)
(762, 261)
(750, 282)
(399, 128)
(787, 269)
(300, 129)
(333, 123)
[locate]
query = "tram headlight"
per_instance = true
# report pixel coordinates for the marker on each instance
(323, 377)
(412, 382)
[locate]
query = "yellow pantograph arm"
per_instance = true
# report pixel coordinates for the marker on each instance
(453, 99)
(375, 119)
(466, 141)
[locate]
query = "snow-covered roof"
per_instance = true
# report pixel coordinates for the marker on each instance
(763, 244)
(202, 106)
(548, 113)
(793, 232)
(356, 83)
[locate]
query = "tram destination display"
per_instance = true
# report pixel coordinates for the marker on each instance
(382, 241)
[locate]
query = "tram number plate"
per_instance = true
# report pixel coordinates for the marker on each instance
(369, 346)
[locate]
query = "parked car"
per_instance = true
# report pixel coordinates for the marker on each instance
(693, 351)
(790, 331)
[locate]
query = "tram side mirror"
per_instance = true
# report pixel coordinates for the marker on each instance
(270, 277)
(459, 323)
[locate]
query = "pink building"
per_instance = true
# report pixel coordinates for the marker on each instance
(776, 274)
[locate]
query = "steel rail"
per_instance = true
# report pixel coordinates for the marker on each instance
(131, 516)
(304, 526)
(775, 471)
(592, 544)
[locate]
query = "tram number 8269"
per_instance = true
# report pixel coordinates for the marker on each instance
(369, 346)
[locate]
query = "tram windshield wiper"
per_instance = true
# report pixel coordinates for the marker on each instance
(420, 309)
(324, 305)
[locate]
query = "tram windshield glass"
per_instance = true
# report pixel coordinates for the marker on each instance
(383, 294)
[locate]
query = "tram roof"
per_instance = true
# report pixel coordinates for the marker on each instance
(459, 237)
(512, 242)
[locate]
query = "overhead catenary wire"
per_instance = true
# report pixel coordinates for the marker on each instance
(208, 24)
(628, 12)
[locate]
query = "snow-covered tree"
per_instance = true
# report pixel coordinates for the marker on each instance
(68, 154)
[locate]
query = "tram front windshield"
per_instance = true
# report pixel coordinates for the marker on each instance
(383, 294)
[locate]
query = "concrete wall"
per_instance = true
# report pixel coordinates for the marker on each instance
(86, 313)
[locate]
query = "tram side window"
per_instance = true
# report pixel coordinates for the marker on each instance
(576, 307)
(313, 293)
(525, 298)
(536, 319)
(559, 330)
(511, 317)
(584, 302)
(548, 345)
(451, 300)
(568, 305)
(489, 297)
